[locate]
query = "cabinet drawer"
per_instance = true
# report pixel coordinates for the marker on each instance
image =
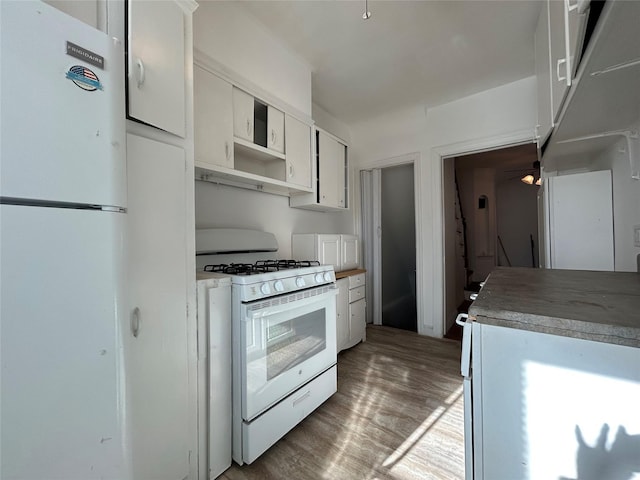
(356, 294)
(356, 280)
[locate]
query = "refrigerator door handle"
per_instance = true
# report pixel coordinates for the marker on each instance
(141, 73)
(135, 322)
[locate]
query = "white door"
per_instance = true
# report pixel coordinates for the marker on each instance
(581, 221)
(298, 152)
(157, 357)
(329, 250)
(560, 70)
(275, 129)
(213, 119)
(342, 313)
(61, 289)
(243, 106)
(157, 64)
(330, 171)
(350, 255)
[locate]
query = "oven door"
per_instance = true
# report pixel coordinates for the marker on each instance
(285, 342)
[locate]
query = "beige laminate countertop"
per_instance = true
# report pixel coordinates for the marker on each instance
(599, 306)
(349, 273)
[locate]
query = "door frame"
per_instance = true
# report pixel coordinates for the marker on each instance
(409, 158)
(438, 155)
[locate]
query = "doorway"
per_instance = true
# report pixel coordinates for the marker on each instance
(490, 220)
(389, 228)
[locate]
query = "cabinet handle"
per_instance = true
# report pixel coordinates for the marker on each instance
(302, 398)
(226, 150)
(248, 127)
(274, 137)
(290, 170)
(566, 77)
(135, 322)
(141, 74)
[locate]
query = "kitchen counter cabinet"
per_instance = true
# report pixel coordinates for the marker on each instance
(351, 306)
(555, 370)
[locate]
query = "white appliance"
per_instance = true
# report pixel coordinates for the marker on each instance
(340, 250)
(581, 221)
(283, 339)
(62, 211)
(214, 374)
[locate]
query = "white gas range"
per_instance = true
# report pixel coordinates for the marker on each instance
(283, 337)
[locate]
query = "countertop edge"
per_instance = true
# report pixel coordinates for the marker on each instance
(597, 332)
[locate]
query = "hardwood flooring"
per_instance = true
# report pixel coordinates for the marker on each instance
(398, 414)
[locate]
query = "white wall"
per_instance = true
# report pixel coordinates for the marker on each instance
(496, 117)
(328, 122)
(227, 33)
(222, 206)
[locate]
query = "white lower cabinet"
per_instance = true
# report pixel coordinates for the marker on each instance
(155, 346)
(561, 407)
(351, 309)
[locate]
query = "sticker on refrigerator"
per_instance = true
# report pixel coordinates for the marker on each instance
(84, 78)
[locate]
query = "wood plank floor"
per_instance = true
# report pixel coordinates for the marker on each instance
(398, 414)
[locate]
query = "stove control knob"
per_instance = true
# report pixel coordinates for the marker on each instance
(278, 286)
(300, 282)
(327, 276)
(319, 278)
(264, 288)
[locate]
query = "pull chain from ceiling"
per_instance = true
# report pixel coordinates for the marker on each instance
(367, 14)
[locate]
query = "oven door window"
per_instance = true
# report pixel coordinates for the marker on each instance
(284, 347)
(291, 342)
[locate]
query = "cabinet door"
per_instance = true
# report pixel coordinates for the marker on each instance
(329, 250)
(357, 321)
(331, 178)
(350, 252)
(543, 75)
(156, 93)
(560, 68)
(156, 359)
(213, 119)
(242, 115)
(342, 313)
(581, 221)
(275, 129)
(298, 151)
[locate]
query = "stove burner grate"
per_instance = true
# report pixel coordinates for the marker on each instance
(261, 266)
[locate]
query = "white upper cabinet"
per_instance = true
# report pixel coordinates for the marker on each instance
(543, 76)
(156, 65)
(331, 171)
(330, 176)
(298, 151)
(243, 115)
(275, 129)
(213, 119)
(558, 42)
(566, 34)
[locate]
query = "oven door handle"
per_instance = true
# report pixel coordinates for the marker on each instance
(276, 309)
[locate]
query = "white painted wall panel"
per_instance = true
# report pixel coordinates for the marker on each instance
(225, 32)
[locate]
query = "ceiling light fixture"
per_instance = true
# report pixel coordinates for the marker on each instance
(528, 179)
(367, 14)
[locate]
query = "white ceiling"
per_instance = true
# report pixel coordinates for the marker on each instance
(407, 53)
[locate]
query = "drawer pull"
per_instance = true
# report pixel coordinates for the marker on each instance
(302, 398)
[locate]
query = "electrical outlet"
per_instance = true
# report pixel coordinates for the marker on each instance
(636, 236)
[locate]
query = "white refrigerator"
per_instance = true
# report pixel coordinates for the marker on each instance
(62, 215)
